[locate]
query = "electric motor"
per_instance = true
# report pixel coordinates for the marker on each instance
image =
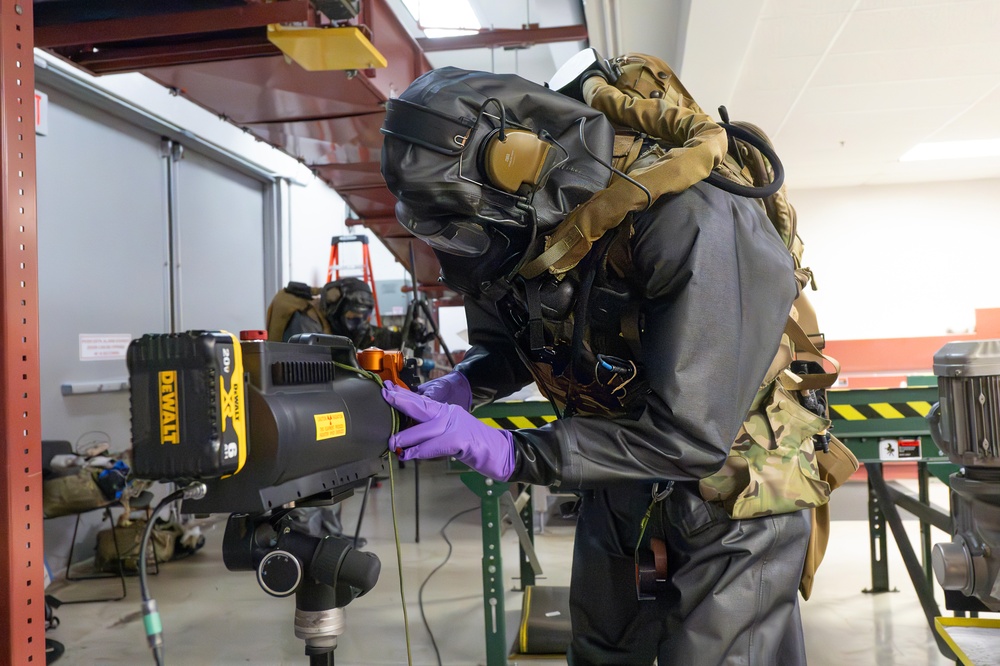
(965, 424)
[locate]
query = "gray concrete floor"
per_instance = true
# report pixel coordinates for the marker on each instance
(213, 616)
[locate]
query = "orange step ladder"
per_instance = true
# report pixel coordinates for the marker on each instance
(333, 272)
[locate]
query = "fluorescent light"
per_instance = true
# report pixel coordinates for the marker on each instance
(444, 18)
(952, 150)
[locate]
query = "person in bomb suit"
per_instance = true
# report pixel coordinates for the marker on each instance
(347, 305)
(653, 348)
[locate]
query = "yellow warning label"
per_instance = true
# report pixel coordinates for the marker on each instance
(329, 426)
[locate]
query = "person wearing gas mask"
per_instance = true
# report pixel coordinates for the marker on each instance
(651, 345)
(347, 305)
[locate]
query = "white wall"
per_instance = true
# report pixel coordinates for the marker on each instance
(901, 260)
(316, 211)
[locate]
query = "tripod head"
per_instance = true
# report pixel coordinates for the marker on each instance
(324, 573)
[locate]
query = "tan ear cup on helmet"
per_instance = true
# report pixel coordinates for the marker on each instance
(516, 161)
(330, 294)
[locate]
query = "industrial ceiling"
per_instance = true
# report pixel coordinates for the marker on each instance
(844, 87)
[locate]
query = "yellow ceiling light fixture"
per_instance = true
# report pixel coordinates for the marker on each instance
(319, 49)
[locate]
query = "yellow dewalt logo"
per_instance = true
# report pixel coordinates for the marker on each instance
(232, 405)
(169, 427)
(232, 402)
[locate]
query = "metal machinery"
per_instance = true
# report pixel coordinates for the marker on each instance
(966, 425)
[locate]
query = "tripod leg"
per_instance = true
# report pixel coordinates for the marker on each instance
(426, 309)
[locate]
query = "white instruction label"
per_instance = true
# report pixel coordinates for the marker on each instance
(103, 346)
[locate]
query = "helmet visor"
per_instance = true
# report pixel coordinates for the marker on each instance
(450, 234)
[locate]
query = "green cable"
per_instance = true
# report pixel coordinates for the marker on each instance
(392, 500)
(399, 560)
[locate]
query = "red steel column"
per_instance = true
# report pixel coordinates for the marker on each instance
(22, 606)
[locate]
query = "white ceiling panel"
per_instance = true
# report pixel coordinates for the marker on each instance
(911, 25)
(781, 37)
(794, 8)
(981, 121)
(765, 108)
(784, 73)
(944, 62)
(844, 87)
(896, 96)
(885, 131)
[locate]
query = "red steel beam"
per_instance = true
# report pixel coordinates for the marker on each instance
(505, 37)
(114, 60)
(22, 605)
(174, 25)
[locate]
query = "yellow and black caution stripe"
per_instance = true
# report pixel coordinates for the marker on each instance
(880, 410)
(516, 422)
(859, 412)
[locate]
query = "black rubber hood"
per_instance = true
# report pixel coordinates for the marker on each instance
(434, 133)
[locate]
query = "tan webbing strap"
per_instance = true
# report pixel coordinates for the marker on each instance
(541, 263)
(623, 143)
(702, 145)
(626, 151)
(804, 344)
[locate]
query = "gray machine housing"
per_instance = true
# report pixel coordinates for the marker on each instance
(965, 424)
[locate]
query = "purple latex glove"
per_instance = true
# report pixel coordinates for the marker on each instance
(451, 389)
(448, 430)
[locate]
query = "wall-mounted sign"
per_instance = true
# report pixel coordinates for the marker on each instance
(103, 346)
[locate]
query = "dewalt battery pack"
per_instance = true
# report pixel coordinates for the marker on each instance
(188, 405)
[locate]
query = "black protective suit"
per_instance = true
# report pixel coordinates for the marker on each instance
(712, 285)
(717, 291)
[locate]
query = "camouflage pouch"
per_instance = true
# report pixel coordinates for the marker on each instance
(772, 467)
(123, 543)
(72, 493)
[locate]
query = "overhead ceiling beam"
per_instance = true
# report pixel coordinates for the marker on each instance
(112, 60)
(174, 25)
(505, 37)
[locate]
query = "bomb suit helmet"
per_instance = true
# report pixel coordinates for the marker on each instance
(484, 165)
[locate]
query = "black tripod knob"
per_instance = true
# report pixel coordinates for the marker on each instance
(279, 573)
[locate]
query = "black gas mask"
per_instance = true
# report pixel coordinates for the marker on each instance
(484, 165)
(348, 305)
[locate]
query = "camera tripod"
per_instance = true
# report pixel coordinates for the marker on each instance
(419, 307)
(324, 573)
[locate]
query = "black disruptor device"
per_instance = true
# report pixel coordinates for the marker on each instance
(261, 423)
